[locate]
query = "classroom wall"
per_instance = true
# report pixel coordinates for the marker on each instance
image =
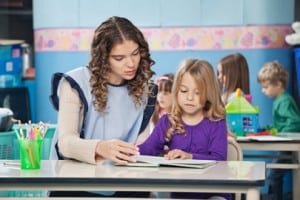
(175, 29)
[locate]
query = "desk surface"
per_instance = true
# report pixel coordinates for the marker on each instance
(71, 172)
(286, 137)
(292, 144)
(289, 145)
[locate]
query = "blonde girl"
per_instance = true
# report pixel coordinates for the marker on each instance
(196, 127)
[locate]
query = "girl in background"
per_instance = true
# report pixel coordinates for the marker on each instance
(163, 104)
(233, 73)
(164, 98)
(196, 127)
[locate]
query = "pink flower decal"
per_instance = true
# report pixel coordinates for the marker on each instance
(247, 40)
(174, 41)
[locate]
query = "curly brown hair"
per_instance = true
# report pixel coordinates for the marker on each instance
(111, 32)
(210, 97)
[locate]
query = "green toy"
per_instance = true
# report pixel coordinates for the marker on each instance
(241, 116)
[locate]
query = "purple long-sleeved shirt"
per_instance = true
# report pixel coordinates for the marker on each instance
(206, 140)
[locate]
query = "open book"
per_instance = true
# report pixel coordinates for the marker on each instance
(156, 161)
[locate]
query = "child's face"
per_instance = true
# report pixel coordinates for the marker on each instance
(189, 97)
(271, 90)
(164, 100)
(124, 60)
(221, 77)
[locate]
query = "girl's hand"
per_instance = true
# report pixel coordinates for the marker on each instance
(117, 151)
(177, 153)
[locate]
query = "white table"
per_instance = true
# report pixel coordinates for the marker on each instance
(289, 145)
(231, 177)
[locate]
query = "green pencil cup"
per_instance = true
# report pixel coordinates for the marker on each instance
(30, 153)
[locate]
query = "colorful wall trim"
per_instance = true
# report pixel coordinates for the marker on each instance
(173, 39)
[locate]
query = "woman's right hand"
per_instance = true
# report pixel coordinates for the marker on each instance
(117, 151)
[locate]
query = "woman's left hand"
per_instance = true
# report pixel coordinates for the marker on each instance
(177, 153)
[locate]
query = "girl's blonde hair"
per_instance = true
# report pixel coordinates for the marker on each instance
(210, 95)
(273, 72)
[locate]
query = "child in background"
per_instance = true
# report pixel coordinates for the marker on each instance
(273, 78)
(164, 98)
(163, 104)
(233, 73)
(196, 127)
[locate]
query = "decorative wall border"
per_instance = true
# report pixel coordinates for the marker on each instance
(173, 39)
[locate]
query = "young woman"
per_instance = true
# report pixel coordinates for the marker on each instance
(102, 105)
(196, 127)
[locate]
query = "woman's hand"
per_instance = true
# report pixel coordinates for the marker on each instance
(117, 151)
(177, 153)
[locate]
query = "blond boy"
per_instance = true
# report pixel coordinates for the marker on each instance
(273, 78)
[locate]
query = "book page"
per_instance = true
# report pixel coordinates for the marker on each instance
(155, 161)
(162, 160)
